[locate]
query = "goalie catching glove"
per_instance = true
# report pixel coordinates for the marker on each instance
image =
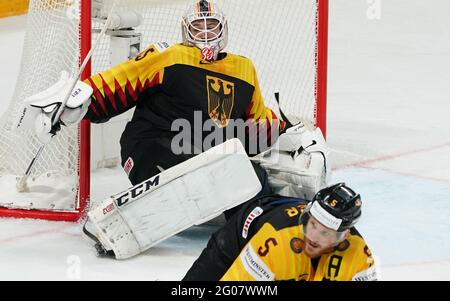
(38, 112)
(298, 163)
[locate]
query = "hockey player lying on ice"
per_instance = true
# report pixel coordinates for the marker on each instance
(170, 87)
(284, 238)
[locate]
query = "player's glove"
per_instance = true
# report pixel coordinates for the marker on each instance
(38, 112)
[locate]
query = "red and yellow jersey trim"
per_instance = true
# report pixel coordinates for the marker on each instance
(117, 89)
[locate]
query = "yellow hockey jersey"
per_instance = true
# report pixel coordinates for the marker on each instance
(275, 252)
(169, 83)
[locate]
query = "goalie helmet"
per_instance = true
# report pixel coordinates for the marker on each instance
(205, 27)
(337, 207)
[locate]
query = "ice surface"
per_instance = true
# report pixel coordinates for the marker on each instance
(388, 127)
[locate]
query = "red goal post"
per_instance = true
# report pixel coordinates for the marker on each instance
(299, 48)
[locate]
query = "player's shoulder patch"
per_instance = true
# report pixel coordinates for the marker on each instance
(161, 46)
(297, 245)
(342, 246)
(257, 211)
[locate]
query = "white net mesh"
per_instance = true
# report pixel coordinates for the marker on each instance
(278, 35)
(50, 46)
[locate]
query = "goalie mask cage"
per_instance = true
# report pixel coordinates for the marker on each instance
(286, 40)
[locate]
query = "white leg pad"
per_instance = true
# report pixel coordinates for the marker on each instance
(187, 194)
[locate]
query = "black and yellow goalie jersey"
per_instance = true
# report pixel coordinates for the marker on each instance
(167, 84)
(275, 251)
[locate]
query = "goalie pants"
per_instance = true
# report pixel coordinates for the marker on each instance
(148, 157)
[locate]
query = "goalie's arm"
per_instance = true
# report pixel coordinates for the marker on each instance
(38, 112)
(118, 89)
(98, 98)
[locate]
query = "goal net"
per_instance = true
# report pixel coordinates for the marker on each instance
(286, 40)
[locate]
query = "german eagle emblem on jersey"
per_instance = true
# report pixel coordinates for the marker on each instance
(220, 100)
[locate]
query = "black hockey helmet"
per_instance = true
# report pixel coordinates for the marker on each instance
(337, 207)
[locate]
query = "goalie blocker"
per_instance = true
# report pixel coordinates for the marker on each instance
(187, 194)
